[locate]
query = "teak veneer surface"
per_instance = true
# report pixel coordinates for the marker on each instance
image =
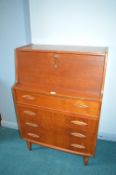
(58, 96)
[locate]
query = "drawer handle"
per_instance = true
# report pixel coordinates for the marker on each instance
(81, 106)
(31, 124)
(52, 92)
(29, 113)
(77, 122)
(78, 146)
(76, 134)
(32, 135)
(28, 97)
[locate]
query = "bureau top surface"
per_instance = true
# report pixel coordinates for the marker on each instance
(66, 48)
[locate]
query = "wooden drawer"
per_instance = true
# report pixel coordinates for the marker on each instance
(61, 140)
(58, 103)
(55, 121)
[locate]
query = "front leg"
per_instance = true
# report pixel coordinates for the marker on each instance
(29, 145)
(86, 159)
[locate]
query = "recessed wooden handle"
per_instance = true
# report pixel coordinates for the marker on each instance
(76, 134)
(102, 91)
(78, 146)
(33, 135)
(32, 124)
(29, 113)
(52, 92)
(28, 97)
(77, 122)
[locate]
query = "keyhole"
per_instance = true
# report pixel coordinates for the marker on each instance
(56, 57)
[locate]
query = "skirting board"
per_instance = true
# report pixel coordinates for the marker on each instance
(107, 136)
(9, 124)
(101, 136)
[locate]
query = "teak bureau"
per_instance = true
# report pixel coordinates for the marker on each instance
(58, 96)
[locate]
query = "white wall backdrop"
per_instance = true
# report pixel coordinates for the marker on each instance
(14, 32)
(81, 22)
(72, 22)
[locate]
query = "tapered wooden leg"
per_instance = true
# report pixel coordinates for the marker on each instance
(29, 145)
(86, 159)
(0, 119)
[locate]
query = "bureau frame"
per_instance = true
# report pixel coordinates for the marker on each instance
(58, 96)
